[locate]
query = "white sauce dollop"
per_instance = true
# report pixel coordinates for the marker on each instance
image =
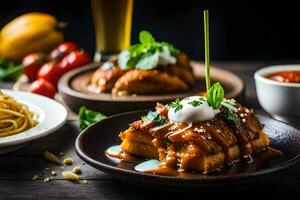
(191, 114)
(165, 57)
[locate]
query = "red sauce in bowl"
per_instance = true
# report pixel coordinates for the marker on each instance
(286, 76)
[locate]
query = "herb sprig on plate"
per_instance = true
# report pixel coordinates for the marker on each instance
(88, 117)
(176, 105)
(229, 116)
(145, 55)
(154, 116)
(198, 102)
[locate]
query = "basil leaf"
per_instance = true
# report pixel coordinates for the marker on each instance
(148, 61)
(89, 117)
(146, 38)
(215, 95)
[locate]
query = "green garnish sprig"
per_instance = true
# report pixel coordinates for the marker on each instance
(229, 116)
(214, 98)
(214, 93)
(206, 47)
(196, 103)
(9, 70)
(144, 55)
(88, 117)
(176, 105)
(154, 116)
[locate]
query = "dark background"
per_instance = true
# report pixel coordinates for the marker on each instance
(240, 30)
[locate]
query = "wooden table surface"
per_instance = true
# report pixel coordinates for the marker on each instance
(18, 168)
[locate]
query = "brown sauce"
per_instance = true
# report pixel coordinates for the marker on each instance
(286, 76)
(122, 156)
(248, 164)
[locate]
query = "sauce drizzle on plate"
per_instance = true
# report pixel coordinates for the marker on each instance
(153, 166)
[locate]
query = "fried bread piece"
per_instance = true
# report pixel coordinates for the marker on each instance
(204, 163)
(184, 73)
(148, 82)
(139, 149)
(104, 79)
(137, 136)
(182, 69)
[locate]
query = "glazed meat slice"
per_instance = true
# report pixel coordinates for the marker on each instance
(258, 139)
(249, 131)
(138, 142)
(148, 82)
(105, 77)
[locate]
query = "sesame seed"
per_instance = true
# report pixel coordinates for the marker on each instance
(46, 179)
(35, 177)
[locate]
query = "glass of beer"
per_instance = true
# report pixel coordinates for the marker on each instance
(112, 23)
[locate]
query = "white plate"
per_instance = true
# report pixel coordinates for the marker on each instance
(51, 116)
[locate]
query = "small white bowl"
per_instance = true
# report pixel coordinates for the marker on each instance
(281, 100)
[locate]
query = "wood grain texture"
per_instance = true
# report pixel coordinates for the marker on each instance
(17, 169)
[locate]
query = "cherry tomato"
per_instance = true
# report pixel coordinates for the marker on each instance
(50, 71)
(32, 63)
(62, 49)
(75, 59)
(42, 87)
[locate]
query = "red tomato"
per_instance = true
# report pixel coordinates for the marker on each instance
(75, 59)
(32, 63)
(42, 87)
(63, 49)
(50, 71)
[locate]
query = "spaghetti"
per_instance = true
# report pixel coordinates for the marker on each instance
(14, 117)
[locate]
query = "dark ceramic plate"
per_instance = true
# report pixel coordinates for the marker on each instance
(92, 143)
(73, 87)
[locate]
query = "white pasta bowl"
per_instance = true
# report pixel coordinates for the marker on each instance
(281, 100)
(51, 116)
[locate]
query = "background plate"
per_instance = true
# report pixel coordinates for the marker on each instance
(73, 89)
